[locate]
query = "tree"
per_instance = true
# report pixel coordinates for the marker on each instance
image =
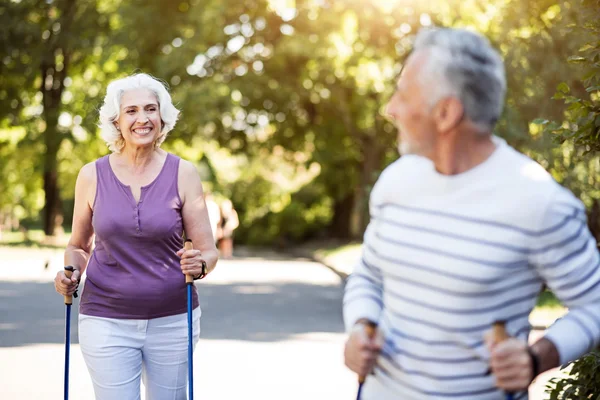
(292, 91)
(577, 130)
(59, 56)
(309, 79)
(580, 133)
(45, 43)
(312, 79)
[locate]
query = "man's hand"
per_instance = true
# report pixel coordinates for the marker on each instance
(361, 351)
(511, 364)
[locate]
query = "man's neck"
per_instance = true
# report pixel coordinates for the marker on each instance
(462, 152)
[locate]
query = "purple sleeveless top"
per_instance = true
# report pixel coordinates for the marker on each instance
(134, 271)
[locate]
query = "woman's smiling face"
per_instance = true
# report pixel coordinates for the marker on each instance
(139, 118)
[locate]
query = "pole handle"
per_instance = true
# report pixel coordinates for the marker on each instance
(188, 246)
(371, 330)
(499, 334)
(68, 273)
(499, 331)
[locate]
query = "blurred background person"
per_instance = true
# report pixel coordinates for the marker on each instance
(229, 222)
(214, 214)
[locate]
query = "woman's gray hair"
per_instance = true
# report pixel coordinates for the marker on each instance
(469, 68)
(110, 110)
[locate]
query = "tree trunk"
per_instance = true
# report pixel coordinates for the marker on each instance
(372, 157)
(52, 138)
(340, 227)
(52, 89)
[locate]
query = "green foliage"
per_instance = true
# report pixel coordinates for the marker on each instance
(579, 134)
(301, 84)
(547, 299)
(305, 216)
(20, 186)
(582, 123)
(583, 382)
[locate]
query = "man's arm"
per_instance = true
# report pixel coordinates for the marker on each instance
(363, 296)
(363, 303)
(566, 257)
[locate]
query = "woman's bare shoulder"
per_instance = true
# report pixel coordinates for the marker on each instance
(87, 173)
(189, 182)
(188, 172)
(187, 167)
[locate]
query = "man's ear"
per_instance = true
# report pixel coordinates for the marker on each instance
(448, 113)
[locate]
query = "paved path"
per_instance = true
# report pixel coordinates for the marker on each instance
(271, 329)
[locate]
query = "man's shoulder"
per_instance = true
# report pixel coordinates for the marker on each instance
(401, 175)
(523, 170)
(405, 166)
(532, 184)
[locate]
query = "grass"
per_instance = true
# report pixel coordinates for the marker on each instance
(547, 299)
(339, 250)
(547, 310)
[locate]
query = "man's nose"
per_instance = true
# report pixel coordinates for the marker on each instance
(388, 111)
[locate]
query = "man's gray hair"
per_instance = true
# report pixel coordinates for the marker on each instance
(110, 110)
(467, 67)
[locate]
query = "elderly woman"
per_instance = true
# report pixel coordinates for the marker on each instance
(138, 201)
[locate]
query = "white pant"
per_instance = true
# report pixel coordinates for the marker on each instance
(118, 352)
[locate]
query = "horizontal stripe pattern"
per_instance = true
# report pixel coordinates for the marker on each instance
(440, 264)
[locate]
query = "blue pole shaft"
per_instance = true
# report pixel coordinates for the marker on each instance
(360, 385)
(67, 349)
(190, 346)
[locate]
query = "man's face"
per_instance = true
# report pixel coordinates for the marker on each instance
(410, 111)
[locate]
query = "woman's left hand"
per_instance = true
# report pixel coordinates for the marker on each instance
(191, 262)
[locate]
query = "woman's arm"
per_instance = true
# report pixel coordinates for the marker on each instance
(79, 247)
(196, 222)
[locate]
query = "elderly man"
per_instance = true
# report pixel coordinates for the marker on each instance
(464, 232)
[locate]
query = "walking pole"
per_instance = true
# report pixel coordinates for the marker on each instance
(371, 329)
(500, 335)
(189, 280)
(68, 302)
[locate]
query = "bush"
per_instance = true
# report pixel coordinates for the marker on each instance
(305, 215)
(583, 382)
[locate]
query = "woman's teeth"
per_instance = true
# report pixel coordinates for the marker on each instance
(142, 131)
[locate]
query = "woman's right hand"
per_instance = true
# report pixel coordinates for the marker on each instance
(64, 285)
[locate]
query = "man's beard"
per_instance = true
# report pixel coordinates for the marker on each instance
(406, 146)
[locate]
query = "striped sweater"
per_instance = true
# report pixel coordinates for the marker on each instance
(446, 256)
